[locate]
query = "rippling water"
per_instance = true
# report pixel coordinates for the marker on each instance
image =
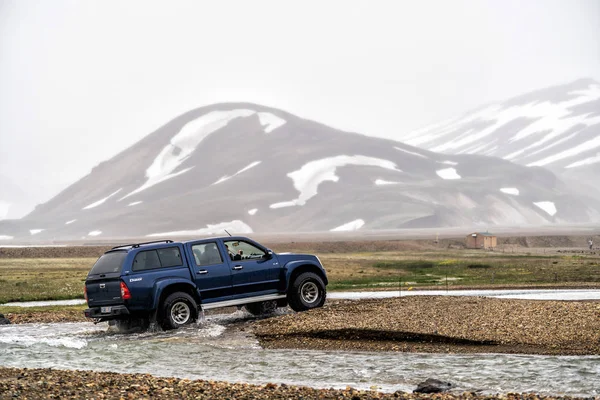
(220, 348)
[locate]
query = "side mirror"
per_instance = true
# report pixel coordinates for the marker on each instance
(269, 254)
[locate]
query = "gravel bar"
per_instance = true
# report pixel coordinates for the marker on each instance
(441, 324)
(58, 384)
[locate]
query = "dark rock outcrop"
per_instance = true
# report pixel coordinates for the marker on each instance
(4, 320)
(432, 386)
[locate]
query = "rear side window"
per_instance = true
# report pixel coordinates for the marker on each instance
(153, 259)
(169, 257)
(109, 263)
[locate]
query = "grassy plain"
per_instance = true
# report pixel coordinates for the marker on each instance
(28, 279)
(459, 268)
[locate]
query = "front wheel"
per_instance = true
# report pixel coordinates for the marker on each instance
(306, 292)
(178, 309)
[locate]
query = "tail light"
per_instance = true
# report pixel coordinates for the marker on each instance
(125, 293)
(85, 293)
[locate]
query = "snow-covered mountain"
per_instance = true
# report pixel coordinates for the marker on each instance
(250, 168)
(557, 128)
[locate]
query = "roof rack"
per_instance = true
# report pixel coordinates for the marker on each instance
(134, 245)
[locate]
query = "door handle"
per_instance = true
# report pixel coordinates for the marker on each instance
(238, 267)
(203, 271)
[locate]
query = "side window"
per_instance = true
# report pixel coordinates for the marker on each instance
(239, 250)
(146, 260)
(161, 258)
(170, 257)
(206, 254)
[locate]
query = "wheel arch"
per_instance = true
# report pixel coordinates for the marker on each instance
(300, 268)
(162, 291)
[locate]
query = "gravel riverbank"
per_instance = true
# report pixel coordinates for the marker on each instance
(55, 384)
(441, 324)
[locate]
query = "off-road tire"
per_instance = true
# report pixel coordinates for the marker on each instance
(306, 292)
(177, 310)
(262, 308)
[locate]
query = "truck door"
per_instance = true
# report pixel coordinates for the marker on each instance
(253, 273)
(211, 271)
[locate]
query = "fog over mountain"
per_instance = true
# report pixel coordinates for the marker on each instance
(15, 202)
(249, 168)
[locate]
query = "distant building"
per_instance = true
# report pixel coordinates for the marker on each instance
(481, 240)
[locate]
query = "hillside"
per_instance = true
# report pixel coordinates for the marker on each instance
(249, 168)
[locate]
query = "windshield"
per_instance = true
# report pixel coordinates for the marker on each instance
(109, 263)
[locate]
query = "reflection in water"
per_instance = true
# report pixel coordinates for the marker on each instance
(222, 348)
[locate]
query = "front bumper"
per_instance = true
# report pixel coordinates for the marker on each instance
(115, 312)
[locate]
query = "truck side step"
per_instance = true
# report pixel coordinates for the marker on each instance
(246, 300)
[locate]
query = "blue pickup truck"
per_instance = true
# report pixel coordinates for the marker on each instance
(170, 282)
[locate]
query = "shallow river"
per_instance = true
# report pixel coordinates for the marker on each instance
(531, 294)
(220, 348)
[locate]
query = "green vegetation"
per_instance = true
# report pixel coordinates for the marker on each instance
(62, 278)
(30, 279)
(460, 268)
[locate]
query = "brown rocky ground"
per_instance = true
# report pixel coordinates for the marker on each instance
(56, 384)
(38, 316)
(441, 324)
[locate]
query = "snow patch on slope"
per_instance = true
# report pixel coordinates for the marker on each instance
(134, 203)
(70, 222)
(101, 201)
(590, 144)
(35, 231)
(246, 168)
(547, 206)
(236, 226)
(350, 226)
(513, 191)
(270, 121)
(410, 152)
(94, 233)
(448, 173)
(308, 178)
(183, 144)
(381, 182)
(253, 211)
(586, 161)
(6, 237)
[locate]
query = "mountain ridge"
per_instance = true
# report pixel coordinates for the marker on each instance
(556, 127)
(258, 169)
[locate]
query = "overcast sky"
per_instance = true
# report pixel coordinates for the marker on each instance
(82, 80)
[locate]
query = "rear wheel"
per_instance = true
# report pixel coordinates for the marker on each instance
(306, 292)
(178, 309)
(262, 308)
